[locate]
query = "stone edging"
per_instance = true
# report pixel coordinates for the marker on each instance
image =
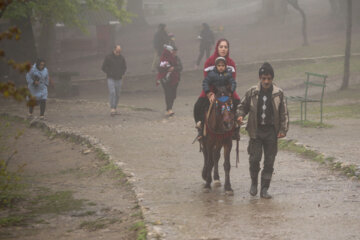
(153, 232)
(350, 170)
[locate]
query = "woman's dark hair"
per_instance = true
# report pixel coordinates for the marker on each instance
(222, 40)
(38, 61)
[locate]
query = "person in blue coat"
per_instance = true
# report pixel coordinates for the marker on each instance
(38, 81)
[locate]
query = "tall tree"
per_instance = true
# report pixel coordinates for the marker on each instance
(12, 33)
(345, 82)
(69, 12)
(295, 4)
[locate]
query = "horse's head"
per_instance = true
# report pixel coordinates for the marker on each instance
(224, 109)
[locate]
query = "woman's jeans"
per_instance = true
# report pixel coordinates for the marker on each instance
(114, 91)
(170, 94)
(42, 104)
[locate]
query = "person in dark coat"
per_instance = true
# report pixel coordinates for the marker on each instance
(114, 66)
(206, 41)
(168, 76)
(161, 38)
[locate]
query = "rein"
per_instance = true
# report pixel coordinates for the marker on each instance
(217, 134)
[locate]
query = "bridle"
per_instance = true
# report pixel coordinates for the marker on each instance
(226, 104)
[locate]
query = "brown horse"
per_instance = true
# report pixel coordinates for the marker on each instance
(218, 130)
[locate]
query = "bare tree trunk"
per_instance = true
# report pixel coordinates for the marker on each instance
(295, 4)
(22, 50)
(345, 83)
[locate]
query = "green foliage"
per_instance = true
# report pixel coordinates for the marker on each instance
(65, 11)
(9, 186)
(140, 229)
(49, 12)
(11, 221)
(9, 181)
(9, 90)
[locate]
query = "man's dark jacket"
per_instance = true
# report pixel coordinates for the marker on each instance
(114, 66)
(161, 37)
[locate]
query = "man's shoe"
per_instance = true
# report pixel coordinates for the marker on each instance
(265, 194)
(253, 188)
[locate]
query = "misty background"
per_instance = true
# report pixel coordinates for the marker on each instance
(258, 30)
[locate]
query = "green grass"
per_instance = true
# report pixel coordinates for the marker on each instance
(349, 170)
(137, 214)
(101, 155)
(11, 221)
(114, 170)
(320, 49)
(311, 124)
(58, 202)
(332, 67)
(97, 224)
(351, 110)
(140, 229)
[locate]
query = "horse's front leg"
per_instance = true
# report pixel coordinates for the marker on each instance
(209, 166)
(205, 167)
(216, 166)
(227, 166)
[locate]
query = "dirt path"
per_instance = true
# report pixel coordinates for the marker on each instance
(68, 194)
(310, 202)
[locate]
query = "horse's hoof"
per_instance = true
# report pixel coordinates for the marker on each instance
(229, 193)
(206, 190)
(217, 183)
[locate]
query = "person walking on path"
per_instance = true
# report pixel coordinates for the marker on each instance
(114, 66)
(38, 81)
(206, 41)
(268, 120)
(168, 76)
(222, 49)
(161, 38)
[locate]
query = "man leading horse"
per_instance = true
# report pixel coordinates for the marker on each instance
(268, 120)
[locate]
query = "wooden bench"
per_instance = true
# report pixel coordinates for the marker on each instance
(312, 80)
